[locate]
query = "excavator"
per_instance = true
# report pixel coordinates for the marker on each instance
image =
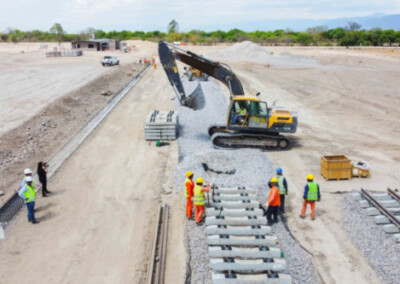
(250, 122)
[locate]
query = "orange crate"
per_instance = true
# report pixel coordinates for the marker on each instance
(336, 167)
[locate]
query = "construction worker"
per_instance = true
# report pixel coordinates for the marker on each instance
(273, 201)
(189, 186)
(283, 189)
(242, 114)
(199, 199)
(311, 194)
(28, 193)
(27, 173)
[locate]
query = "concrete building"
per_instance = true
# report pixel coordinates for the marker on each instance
(96, 44)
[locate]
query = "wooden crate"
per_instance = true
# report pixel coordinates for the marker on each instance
(336, 167)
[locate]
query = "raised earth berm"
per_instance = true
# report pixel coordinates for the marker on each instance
(241, 246)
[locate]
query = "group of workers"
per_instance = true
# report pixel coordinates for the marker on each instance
(279, 189)
(27, 190)
(195, 196)
(276, 200)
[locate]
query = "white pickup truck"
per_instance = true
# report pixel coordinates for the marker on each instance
(109, 60)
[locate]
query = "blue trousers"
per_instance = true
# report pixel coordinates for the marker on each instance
(31, 211)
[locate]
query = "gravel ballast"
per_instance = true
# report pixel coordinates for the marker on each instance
(251, 169)
(377, 247)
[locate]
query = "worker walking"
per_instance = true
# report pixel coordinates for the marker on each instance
(273, 202)
(283, 189)
(28, 193)
(311, 194)
(189, 186)
(199, 199)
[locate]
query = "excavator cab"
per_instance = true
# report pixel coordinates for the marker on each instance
(248, 112)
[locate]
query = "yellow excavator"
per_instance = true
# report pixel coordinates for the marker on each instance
(250, 122)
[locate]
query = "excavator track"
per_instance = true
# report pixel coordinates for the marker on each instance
(249, 140)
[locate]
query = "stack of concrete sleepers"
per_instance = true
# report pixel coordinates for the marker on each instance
(241, 246)
(161, 125)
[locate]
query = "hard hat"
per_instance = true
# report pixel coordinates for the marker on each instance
(274, 179)
(27, 171)
(279, 170)
(199, 180)
(310, 177)
(189, 174)
(28, 179)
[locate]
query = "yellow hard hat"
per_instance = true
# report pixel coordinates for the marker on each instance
(199, 180)
(189, 174)
(310, 177)
(274, 179)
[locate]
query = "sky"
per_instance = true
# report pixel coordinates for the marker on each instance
(148, 15)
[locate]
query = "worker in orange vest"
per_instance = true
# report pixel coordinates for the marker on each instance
(311, 194)
(274, 200)
(199, 200)
(189, 186)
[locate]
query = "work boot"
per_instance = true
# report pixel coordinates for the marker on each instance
(35, 222)
(302, 217)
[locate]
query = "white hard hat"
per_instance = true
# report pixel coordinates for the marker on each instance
(27, 171)
(27, 179)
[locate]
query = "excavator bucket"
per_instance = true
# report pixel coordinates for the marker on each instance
(195, 100)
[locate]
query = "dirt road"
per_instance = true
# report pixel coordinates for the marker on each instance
(97, 225)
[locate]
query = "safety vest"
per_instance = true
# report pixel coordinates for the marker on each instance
(282, 188)
(186, 189)
(312, 194)
(198, 198)
(30, 194)
(242, 111)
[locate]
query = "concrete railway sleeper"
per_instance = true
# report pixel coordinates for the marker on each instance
(242, 248)
(385, 209)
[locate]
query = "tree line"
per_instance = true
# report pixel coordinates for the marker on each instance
(351, 35)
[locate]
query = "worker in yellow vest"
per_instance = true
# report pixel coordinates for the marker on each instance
(311, 194)
(28, 193)
(189, 186)
(199, 200)
(283, 189)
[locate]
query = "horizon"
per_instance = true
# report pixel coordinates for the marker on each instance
(152, 15)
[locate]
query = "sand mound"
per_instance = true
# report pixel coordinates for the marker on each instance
(249, 51)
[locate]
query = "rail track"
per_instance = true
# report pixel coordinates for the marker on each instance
(241, 245)
(385, 209)
(156, 267)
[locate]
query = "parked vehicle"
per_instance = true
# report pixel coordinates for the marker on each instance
(109, 60)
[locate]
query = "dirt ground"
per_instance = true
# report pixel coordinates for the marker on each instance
(347, 104)
(98, 225)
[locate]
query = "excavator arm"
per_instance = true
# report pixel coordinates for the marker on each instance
(169, 54)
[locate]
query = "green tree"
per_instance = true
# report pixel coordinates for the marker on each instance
(58, 31)
(173, 27)
(304, 38)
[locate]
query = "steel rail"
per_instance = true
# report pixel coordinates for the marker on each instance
(381, 208)
(394, 194)
(156, 266)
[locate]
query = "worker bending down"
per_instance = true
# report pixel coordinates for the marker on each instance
(199, 200)
(311, 194)
(273, 201)
(189, 185)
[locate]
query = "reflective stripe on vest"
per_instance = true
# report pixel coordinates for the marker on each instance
(198, 198)
(312, 191)
(282, 189)
(186, 189)
(30, 194)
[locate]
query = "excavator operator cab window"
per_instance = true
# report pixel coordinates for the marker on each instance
(240, 112)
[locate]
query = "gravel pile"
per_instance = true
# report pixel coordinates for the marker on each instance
(377, 247)
(252, 52)
(252, 169)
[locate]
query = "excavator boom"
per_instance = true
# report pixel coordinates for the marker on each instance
(170, 53)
